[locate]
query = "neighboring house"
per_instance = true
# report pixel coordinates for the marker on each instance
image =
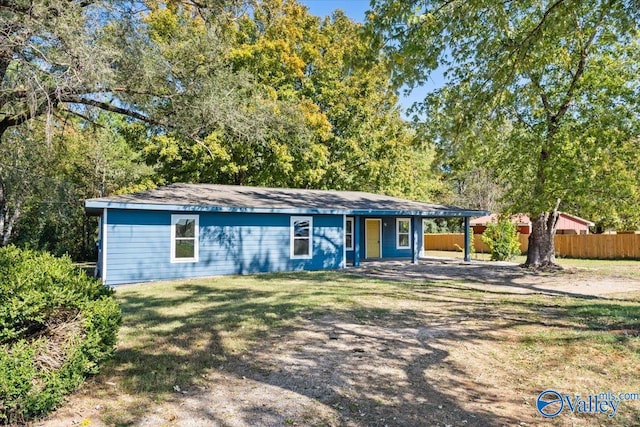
(570, 224)
(567, 224)
(194, 230)
(480, 224)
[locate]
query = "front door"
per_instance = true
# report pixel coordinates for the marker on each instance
(372, 237)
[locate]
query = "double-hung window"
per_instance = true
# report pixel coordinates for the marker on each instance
(348, 234)
(184, 238)
(301, 237)
(403, 233)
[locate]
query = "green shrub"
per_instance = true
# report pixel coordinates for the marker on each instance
(57, 325)
(502, 239)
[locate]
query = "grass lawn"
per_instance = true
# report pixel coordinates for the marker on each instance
(330, 348)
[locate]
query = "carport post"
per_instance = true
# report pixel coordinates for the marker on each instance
(467, 240)
(415, 247)
(356, 241)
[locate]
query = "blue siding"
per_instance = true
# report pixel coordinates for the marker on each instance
(139, 245)
(389, 238)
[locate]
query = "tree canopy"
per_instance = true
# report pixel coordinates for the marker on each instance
(540, 102)
(545, 93)
(51, 56)
(344, 128)
(222, 91)
(157, 62)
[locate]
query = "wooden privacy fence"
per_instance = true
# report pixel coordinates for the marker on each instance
(597, 246)
(455, 242)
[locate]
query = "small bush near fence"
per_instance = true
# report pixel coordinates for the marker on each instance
(56, 326)
(502, 240)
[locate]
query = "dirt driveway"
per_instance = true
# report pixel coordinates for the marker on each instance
(438, 355)
(504, 276)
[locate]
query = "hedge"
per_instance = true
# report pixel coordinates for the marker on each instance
(57, 325)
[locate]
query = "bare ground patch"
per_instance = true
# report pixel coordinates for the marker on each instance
(504, 276)
(441, 343)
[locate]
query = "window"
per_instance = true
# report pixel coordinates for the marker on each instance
(403, 233)
(184, 238)
(301, 237)
(348, 234)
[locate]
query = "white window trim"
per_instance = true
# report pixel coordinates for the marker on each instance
(292, 237)
(352, 221)
(196, 236)
(398, 220)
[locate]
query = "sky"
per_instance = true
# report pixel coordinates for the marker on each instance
(355, 9)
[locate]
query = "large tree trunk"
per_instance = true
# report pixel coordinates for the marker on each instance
(8, 217)
(541, 253)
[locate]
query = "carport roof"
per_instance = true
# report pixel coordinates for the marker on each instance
(233, 198)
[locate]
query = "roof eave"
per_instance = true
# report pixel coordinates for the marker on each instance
(95, 207)
(444, 213)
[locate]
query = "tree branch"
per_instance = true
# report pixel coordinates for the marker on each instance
(569, 95)
(18, 119)
(76, 99)
(403, 32)
(82, 116)
(507, 62)
(543, 96)
(538, 27)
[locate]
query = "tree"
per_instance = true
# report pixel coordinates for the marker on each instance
(550, 89)
(477, 188)
(253, 140)
(68, 56)
(23, 165)
(44, 185)
(358, 139)
(53, 55)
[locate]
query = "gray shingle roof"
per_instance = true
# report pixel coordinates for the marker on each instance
(262, 198)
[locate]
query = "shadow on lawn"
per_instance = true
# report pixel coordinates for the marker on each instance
(364, 366)
(505, 278)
